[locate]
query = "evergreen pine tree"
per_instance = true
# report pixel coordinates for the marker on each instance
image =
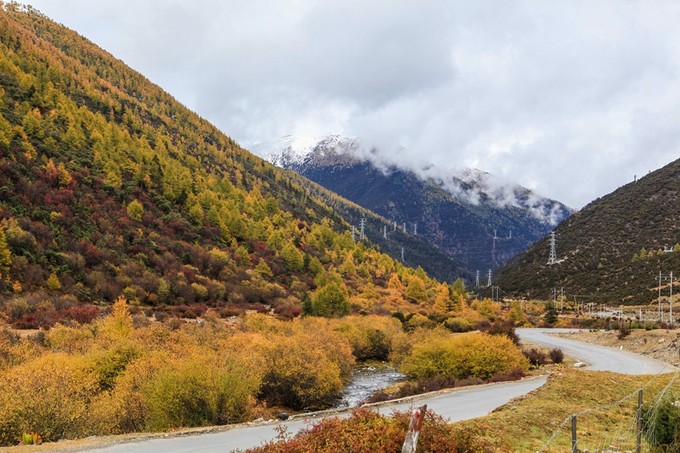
(307, 306)
(550, 315)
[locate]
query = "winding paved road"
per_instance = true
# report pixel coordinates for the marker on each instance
(598, 358)
(456, 405)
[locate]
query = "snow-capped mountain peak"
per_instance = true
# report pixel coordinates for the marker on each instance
(468, 185)
(289, 150)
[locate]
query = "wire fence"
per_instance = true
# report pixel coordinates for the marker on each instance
(619, 420)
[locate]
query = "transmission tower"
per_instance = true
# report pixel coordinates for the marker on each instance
(362, 226)
(354, 234)
(495, 293)
(385, 231)
(402, 254)
(415, 229)
(404, 227)
(488, 282)
(553, 249)
(395, 225)
(477, 280)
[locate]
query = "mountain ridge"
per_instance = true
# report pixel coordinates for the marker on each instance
(468, 185)
(460, 214)
(599, 248)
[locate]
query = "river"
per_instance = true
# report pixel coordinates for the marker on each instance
(366, 380)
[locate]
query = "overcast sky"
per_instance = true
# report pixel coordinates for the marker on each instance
(569, 98)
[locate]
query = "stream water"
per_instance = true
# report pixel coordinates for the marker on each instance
(366, 380)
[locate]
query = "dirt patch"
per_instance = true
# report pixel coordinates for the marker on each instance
(660, 344)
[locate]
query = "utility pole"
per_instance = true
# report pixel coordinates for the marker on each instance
(553, 249)
(671, 279)
(660, 312)
(489, 280)
(362, 225)
(670, 310)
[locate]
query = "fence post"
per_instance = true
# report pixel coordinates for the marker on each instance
(411, 441)
(574, 449)
(638, 447)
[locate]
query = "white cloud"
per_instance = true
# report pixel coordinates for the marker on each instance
(570, 99)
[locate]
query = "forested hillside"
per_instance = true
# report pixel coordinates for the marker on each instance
(613, 249)
(109, 186)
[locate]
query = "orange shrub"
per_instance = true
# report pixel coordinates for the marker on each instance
(300, 374)
(366, 431)
(462, 356)
(49, 395)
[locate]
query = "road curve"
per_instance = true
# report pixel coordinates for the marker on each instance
(598, 358)
(457, 404)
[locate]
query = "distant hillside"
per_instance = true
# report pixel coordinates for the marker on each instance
(599, 247)
(417, 250)
(108, 187)
(458, 212)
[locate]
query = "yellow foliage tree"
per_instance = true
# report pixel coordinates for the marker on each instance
(416, 291)
(516, 315)
(442, 301)
(49, 395)
(118, 324)
(300, 375)
(53, 283)
(135, 210)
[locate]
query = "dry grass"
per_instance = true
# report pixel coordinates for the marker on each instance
(528, 423)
